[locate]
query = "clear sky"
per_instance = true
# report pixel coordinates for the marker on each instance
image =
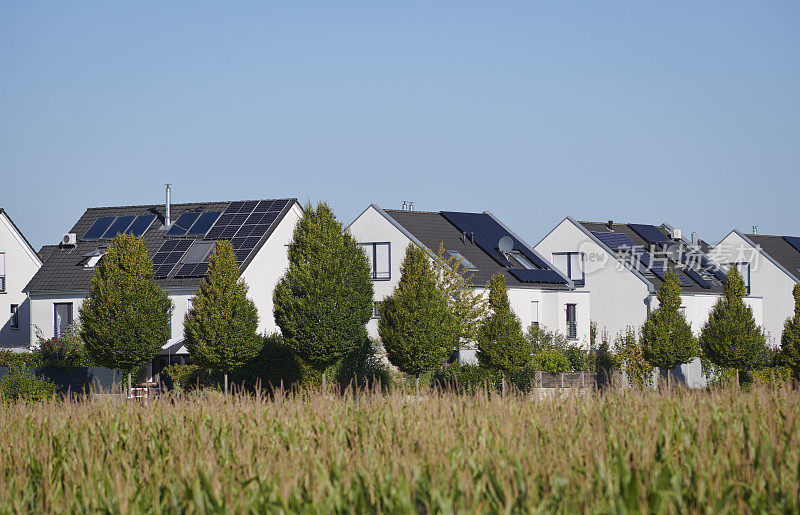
(685, 112)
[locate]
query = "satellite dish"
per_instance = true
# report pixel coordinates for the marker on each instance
(506, 244)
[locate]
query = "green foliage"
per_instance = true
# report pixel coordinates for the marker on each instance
(501, 345)
(541, 338)
(630, 356)
(790, 340)
(667, 340)
(65, 352)
(18, 383)
(362, 368)
(220, 328)
(731, 338)
(25, 359)
(126, 318)
(553, 361)
(468, 304)
(182, 377)
(466, 378)
(276, 366)
(417, 328)
(324, 300)
(580, 359)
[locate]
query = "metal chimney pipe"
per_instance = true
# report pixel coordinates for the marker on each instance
(404, 205)
(755, 229)
(695, 239)
(411, 206)
(167, 219)
(610, 225)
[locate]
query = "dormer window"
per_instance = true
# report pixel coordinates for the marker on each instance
(91, 259)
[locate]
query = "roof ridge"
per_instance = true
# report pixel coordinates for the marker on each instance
(768, 235)
(191, 203)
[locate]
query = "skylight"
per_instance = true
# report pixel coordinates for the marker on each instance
(466, 263)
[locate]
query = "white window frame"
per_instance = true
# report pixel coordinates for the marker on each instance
(745, 277)
(568, 271)
(371, 248)
(535, 315)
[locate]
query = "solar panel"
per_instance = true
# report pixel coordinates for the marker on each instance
(192, 270)
(487, 233)
(99, 228)
(245, 223)
(697, 278)
(182, 224)
(537, 276)
(615, 240)
(650, 233)
(118, 227)
(168, 256)
(684, 280)
(140, 225)
(794, 241)
(203, 224)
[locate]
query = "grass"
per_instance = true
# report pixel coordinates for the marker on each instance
(719, 451)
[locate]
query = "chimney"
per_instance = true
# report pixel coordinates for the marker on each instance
(472, 237)
(755, 229)
(410, 206)
(610, 225)
(404, 205)
(167, 219)
(695, 240)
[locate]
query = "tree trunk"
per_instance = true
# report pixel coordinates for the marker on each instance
(129, 385)
(668, 385)
(226, 383)
(503, 383)
(737, 378)
(324, 382)
(416, 386)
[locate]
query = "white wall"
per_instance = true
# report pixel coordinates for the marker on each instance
(618, 297)
(766, 280)
(267, 268)
(372, 227)
(21, 264)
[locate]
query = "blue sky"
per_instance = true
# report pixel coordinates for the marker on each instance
(686, 112)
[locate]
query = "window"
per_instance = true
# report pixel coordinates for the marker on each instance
(535, 313)
(2, 273)
(572, 322)
(522, 260)
(744, 271)
(14, 316)
(571, 263)
(466, 263)
(379, 258)
(376, 309)
(62, 318)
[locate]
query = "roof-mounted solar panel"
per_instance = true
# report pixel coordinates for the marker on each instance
(649, 233)
(203, 224)
(140, 225)
(182, 224)
(537, 276)
(684, 280)
(794, 241)
(615, 240)
(98, 228)
(119, 226)
(697, 278)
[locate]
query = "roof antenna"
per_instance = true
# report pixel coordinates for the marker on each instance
(167, 220)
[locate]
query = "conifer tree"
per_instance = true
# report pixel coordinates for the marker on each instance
(468, 304)
(324, 301)
(221, 327)
(790, 341)
(125, 321)
(501, 344)
(667, 340)
(730, 337)
(417, 328)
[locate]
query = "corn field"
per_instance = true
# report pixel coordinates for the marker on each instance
(615, 452)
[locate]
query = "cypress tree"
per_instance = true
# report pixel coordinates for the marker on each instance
(730, 337)
(324, 301)
(501, 344)
(667, 340)
(790, 341)
(417, 328)
(221, 327)
(125, 321)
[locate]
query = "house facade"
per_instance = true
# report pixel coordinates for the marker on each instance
(179, 243)
(538, 292)
(624, 265)
(18, 264)
(770, 267)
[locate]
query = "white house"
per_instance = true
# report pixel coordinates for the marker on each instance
(538, 293)
(623, 266)
(18, 263)
(770, 266)
(179, 238)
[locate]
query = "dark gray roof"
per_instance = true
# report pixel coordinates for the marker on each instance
(602, 227)
(778, 249)
(63, 270)
(432, 229)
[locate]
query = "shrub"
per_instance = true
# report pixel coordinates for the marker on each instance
(363, 368)
(65, 352)
(790, 339)
(274, 366)
(465, 378)
(629, 355)
(25, 359)
(501, 345)
(18, 383)
(579, 359)
(181, 377)
(553, 361)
